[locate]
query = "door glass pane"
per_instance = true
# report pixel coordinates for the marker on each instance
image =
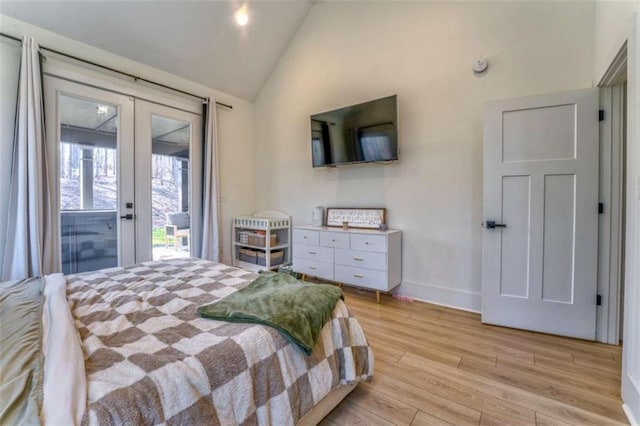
(170, 187)
(88, 184)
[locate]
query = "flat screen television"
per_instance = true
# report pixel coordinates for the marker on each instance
(362, 133)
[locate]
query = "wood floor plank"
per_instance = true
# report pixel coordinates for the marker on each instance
(491, 420)
(496, 334)
(349, 413)
(436, 366)
(433, 345)
(618, 357)
(471, 396)
(586, 383)
(420, 397)
(597, 362)
(570, 366)
(417, 347)
(479, 342)
(383, 351)
(424, 419)
(546, 340)
(605, 406)
(542, 420)
(382, 405)
(515, 395)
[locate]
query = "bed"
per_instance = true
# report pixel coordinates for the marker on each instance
(142, 355)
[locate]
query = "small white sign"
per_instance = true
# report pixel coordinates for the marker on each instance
(356, 217)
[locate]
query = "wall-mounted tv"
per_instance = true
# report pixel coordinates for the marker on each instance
(362, 133)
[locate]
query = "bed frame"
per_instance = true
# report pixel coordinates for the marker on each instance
(328, 403)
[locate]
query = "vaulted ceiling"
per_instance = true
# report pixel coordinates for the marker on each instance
(197, 40)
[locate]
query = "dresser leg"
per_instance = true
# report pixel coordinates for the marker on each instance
(304, 277)
(378, 296)
(340, 285)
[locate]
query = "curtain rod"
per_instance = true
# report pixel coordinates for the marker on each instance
(134, 77)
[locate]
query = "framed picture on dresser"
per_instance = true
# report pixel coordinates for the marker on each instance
(366, 218)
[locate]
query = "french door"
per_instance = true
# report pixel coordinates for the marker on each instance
(168, 181)
(128, 177)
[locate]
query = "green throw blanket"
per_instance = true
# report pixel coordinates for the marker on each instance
(297, 309)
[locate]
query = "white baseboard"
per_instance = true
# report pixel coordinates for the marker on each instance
(452, 298)
(632, 420)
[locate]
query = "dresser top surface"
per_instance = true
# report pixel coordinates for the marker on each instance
(348, 231)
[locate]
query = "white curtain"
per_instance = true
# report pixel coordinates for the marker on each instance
(211, 205)
(30, 241)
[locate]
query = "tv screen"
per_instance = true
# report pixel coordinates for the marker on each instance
(361, 133)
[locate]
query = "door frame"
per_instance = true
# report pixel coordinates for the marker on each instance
(611, 221)
(59, 67)
(142, 181)
(629, 55)
(55, 87)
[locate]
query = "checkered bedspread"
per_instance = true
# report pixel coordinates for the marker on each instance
(151, 360)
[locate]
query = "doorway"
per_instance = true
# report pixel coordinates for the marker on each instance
(611, 221)
(128, 176)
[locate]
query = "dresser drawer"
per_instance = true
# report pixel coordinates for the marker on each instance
(361, 259)
(367, 242)
(367, 278)
(334, 239)
(306, 237)
(305, 251)
(313, 268)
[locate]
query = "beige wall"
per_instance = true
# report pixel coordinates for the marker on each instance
(613, 22)
(348, 52)
(235, 134)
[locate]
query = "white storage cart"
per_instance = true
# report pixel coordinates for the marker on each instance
(261, 241)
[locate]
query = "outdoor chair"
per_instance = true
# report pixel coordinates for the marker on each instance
(177, 227)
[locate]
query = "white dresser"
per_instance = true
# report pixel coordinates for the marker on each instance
(361, 257)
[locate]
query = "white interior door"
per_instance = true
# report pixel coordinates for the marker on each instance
(90, 135)
(168, 182)
(540, 206)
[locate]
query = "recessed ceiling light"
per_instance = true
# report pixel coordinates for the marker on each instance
(242, 16)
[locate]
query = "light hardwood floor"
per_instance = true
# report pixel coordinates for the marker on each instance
(440, 366)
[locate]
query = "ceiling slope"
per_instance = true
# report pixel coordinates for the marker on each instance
(197, 40)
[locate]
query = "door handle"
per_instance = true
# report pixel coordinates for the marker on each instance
(128, 216)
(491, 224)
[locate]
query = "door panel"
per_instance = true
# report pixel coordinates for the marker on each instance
(168, 182)
(541, 183)
(559, 244)
(515, 238)
(91, 142)
(525, 140)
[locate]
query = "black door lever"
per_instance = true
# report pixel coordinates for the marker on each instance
(127, 216)
(491, 224)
